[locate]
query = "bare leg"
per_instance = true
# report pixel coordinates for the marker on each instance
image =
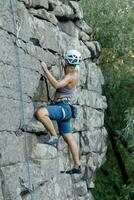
(42, 116)
(69, 139)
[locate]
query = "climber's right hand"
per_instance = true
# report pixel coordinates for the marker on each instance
(44, 66)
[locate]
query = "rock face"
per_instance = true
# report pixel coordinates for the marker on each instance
(28, 168)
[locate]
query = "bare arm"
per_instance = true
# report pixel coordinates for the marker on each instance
(56, 84)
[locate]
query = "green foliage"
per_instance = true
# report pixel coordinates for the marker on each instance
(113, 24)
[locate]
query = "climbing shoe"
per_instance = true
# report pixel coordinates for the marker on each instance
(73, 171)
(53, 141)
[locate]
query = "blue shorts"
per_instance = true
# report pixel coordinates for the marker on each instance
(61, 112)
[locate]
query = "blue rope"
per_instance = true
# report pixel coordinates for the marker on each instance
(22, 115)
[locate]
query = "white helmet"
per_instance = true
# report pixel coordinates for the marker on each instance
(73, 57)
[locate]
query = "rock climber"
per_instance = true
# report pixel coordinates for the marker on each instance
(60, 109)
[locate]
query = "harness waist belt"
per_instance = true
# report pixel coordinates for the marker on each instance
(63, 99)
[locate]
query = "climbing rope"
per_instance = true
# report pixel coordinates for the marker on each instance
(22, 115)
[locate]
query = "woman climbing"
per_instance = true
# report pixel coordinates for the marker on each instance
(60, 109)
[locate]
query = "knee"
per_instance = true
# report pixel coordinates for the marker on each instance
(69, 139)
(41, 112)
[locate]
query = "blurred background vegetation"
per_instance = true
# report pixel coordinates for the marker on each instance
(113, 25)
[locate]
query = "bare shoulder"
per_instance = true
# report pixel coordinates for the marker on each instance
(73, 79)
(71, 76)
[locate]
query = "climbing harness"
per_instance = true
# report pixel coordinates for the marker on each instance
(22, 115)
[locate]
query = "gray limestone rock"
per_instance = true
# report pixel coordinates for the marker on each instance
(10, 152)
(1, 192)
(36, 3)
(54, 3)
(43, 14)
(83, 76)
(84, 26)
(62, 11)
(46, 33)
(23, 19)
(77, 9)
(39, 3)
(94, 48)
(34, 126)
(34, 49)
(89, 196)
(84, 51)
(11, 114)
(68, 11)
(44, 151)
(92, 141)
(69, 28)
(92, 99)
(78, 123)
(7, 55)
(83, 36)
(93, 118)
(94, 77)
(81, 188)
(19, 175)
(67, 42)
